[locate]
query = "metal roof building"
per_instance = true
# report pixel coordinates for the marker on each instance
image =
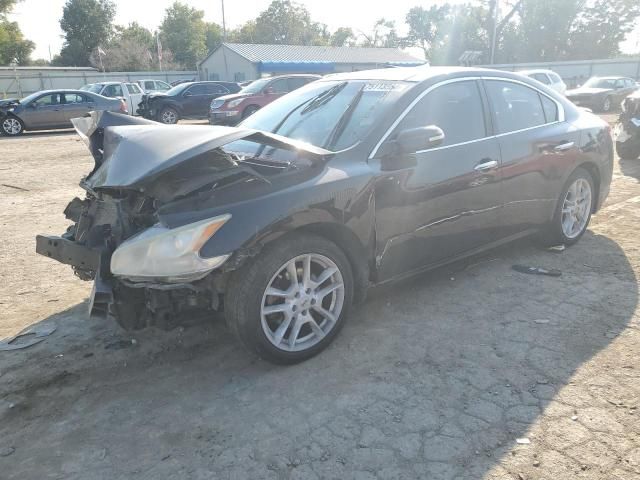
(238, 62)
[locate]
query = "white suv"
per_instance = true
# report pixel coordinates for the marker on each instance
(549, 78)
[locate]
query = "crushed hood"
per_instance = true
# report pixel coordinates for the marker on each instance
(132, 153)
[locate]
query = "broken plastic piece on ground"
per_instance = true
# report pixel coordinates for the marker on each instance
(537, 270)
(36, 333)
(557, 248)
(523, 441)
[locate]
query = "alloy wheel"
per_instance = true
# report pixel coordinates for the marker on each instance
(11, 126)
(169, 117)
(302, 302)
(576, 208)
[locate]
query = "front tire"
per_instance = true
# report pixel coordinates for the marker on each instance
(291, 301)
(12, 126)
(573, 211)
(168, 116)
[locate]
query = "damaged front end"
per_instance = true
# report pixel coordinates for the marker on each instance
(151, 208)
(627, 131)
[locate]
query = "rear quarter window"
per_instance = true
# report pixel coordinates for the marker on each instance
(515, 106)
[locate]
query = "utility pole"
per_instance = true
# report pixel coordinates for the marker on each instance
(224, 24)
(494, 31)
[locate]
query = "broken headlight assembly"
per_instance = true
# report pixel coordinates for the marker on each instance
(161, 254)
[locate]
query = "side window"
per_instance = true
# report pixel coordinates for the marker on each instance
(619, 83)
(456, 108)
(550, 109)
(238, 77)
(279, 86)
(297, 82)
(628, 82)
(74, 98)
(216, 89)
(46, 100)
(149, 85)
(162, 85)
(199, 89)
(541, 77)
(515, 107)
(113, 91)
(133, 88)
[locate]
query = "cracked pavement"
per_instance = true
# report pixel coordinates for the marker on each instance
(473, 371)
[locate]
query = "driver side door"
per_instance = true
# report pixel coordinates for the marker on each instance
(45, 111)
(444, 201)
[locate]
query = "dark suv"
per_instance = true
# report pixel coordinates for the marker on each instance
(230, 109)
(187, 100)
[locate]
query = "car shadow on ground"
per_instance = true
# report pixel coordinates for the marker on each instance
(435, 377)
(39, 134)
(630, 168)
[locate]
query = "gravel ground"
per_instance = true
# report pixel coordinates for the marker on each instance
(471, 372)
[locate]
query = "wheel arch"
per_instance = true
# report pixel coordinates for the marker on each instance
(352, 247)
(593, 170)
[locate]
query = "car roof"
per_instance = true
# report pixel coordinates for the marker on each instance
(535, 70)
(62, 90)
(420, 73)
(611, 77)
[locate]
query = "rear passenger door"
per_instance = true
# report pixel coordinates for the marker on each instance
(440, 202)
(75, 105)
(538, 148)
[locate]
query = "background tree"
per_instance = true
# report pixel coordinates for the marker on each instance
(183, 31)
(426, 27)
(13, 46)
(213, 35)
(342, 37)
(86, 24)
(600, 28)
(383, 34)
(288, 23)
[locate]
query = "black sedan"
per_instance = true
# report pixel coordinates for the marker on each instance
(354, 180)
(602, 94)
(186, 100)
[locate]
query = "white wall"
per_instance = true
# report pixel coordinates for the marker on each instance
(29, 81)
(225, 64)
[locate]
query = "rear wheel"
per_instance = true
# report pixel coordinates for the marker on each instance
(290, 303)
(628, 150)
(573, 211)
(12, 126)
(168, 115)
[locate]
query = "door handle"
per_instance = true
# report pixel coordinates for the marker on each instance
(564, 146)
(486, 165)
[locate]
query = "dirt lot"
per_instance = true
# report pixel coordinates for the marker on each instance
(436, 378)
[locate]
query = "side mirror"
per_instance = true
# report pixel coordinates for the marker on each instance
(188, 94)
(414, 140)
(269, 90)
(33, 105)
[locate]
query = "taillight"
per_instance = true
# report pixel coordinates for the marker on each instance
(123, 106)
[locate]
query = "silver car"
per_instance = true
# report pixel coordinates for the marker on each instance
(50, 109)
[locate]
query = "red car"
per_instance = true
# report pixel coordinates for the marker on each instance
(231, 109)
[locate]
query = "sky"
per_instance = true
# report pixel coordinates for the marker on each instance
(39, 19)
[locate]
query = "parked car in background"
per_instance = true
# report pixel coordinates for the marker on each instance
(153, 85)
(130, 92)
(186, 100)
(602, 94)
(627, 130)
(547, 77)
(356, 179)
(52, 109)
(230, 109)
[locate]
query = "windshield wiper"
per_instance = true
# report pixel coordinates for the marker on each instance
(323, 98)
(344, 119)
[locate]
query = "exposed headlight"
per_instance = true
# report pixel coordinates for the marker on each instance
(168, 255)
(216, 104)
(235, 103)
